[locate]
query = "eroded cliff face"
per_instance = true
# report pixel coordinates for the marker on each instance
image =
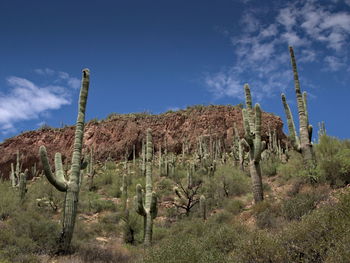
(116, 136)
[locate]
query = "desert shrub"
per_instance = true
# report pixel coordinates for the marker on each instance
(269, 165)
(26, 234)
(9, 201)
(165, 187)
(195, 241)
(296, 185)
(336, 169)
(258, 247)
(318, 235)
(233, 206)
(131, 227)
(300, 205)
(266, 214)
(293, 167)
(227, 182)
(95, 253)
(98, 205)
(333, 160)
(91, 202)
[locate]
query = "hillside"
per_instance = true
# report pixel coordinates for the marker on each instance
(116, 136)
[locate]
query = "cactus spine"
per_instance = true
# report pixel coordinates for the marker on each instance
(302, 143)
(252, 142)
(148, 208)
(71, 186)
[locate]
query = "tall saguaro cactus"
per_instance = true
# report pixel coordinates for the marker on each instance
(148, 207)
(252, 142)
(302, 143)
(58, 180)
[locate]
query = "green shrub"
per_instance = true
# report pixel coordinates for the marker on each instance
(258, 247)
(266, 214)
(298, 206)
(269, 166)
(94, 253)
(333, 156)
(9, 201)
(233, 206)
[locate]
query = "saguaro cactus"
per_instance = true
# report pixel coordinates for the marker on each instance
(148, 208)
(23, 184)
(302, 143)
(252, 142)
(58, 180)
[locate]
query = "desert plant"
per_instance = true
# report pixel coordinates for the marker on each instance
(71, 186)
(302, 143)
(147, 209)
(252, 142)
(203, 207)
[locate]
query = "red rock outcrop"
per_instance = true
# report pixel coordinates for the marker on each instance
(117, 135)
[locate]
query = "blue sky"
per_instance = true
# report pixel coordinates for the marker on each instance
(160, 55)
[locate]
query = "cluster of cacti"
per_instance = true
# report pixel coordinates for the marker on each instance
(19, 178)
(59, 181)
(300, 143)
(205, 155)
(274, 148)
(146, 204)
(34, 171)
(253, 143)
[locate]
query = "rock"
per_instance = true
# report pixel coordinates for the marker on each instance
(116, 136)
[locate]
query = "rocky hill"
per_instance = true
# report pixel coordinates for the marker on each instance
(116, 136)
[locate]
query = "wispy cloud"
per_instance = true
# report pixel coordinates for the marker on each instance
(312, 27)
(59, 77)
(27, 100)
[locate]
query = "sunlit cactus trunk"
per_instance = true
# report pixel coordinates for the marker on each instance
(252, 142)
(302, 143)
(71, 186)
(147, 208)
(22, 185)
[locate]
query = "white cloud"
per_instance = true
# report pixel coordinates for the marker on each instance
(45, 71)
(318, 33)
(333, 63)
(249, 23)
(60, 77)
(287, 17)
(28, 101)
(224, 84)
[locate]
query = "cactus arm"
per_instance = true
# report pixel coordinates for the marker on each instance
(154, 207)
(310, 129)
(60, 185)
(257, 132)
(139, 201)
(249, 106)
(244, 143)
(12, 176)
(291, 126)
(246, 125)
